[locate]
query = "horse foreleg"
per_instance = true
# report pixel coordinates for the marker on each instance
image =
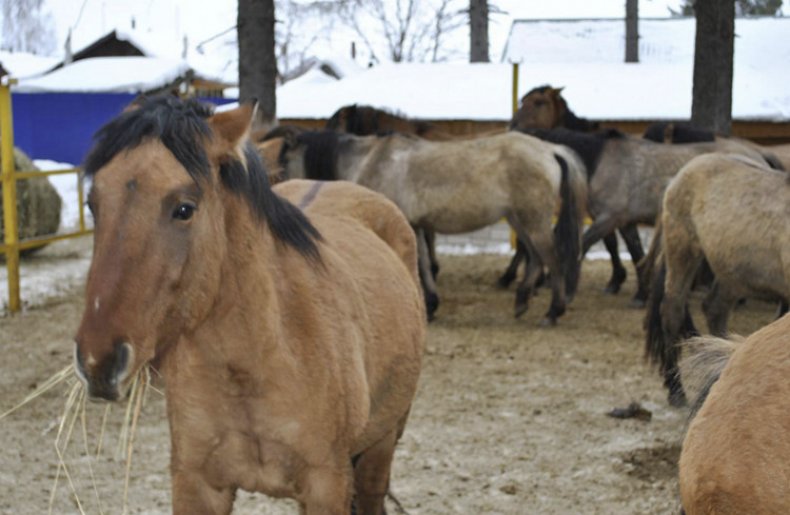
(618, 270)
(327, 491)
(372, 476)
(512, 270)
(193, 495)
(630, 234)
(426, 277)
(604, 227)
(430, 241)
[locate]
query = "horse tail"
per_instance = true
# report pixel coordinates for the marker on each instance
(567, 232)
(701, 369)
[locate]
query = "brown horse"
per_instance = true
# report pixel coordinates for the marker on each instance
(454, 187)
(372, 121)
(732, 213)
(736, 457)
(290, 343)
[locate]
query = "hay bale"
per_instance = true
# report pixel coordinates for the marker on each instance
(38, 203)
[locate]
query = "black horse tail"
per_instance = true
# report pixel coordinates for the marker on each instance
(567, 232)
(701, 369)
(660, 349)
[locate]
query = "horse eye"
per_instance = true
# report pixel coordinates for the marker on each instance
(184, 212)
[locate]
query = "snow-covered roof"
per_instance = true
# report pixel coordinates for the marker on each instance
(584, 56)
(22, 64)
(108, 75)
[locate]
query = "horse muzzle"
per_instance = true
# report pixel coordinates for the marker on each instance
(104, 377)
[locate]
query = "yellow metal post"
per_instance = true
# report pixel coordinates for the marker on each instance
(513, 237)
(8, 180)
(515, 87)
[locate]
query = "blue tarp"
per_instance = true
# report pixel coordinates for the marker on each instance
(60, 126)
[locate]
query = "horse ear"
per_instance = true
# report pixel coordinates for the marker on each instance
(557, 91)
(233, 126)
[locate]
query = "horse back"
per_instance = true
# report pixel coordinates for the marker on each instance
(735, 458)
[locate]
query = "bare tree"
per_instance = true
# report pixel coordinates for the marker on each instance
(27, 27)
(478, 31)
(257, 62)
(412, 30)
(632, 31)
(713, 62)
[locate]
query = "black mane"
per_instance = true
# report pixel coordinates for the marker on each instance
(183, 128)
(679, 132)
(369, 121)
(588, 146)
(320, 155)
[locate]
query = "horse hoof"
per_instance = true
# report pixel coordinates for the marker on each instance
(637, 303)
(431, 305)
(612, 289)
(520, 310)
(548, 322)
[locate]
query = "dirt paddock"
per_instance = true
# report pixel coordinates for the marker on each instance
(510, 417)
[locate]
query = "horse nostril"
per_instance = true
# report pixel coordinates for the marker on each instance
(79, 361)
(120, 361)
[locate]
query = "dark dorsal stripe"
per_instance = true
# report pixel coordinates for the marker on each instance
(183, 128)
(679, 132)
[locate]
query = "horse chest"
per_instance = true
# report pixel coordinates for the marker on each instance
(255, 463)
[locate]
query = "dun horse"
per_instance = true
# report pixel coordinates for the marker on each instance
(736, 457)
(545, 108)
(455, 187)
(290, 344)
(732, 213)
(628, 177)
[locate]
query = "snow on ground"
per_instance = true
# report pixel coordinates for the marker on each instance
(60, 266)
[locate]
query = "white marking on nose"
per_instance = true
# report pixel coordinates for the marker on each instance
(96, 304)
(91, 361)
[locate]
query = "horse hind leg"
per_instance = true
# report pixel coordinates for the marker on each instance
(683, 259)
(618, 270)
(372, 476)
(717, 305)
(630, 234)
(512, 270)
(426, 277)
(534, 269)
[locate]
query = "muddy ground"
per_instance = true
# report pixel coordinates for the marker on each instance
(510, 417)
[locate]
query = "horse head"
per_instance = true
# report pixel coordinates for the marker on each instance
(162, 172)
(541, 108)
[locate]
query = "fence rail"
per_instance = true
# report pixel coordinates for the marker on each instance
(11, 245)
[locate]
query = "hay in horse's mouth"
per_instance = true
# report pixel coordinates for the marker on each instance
(74, 408)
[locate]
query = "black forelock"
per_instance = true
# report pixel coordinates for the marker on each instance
(179, 124)
(320, 154)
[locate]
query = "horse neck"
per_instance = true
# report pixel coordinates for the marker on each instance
(569, 120)
(234, 334)
(352, 156)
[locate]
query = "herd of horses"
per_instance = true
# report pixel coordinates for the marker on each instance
(282, 282)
